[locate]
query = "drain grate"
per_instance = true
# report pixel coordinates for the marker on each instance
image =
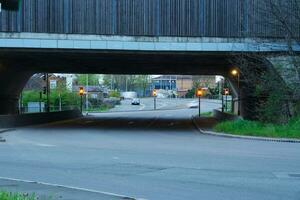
(294, 175)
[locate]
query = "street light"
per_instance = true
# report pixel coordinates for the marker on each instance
(81, 93)
(199, 94)
(236, 73)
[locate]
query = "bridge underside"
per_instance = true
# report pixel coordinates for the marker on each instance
(116, 62)
(17, 66)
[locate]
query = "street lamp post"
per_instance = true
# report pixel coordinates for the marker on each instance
(236, 73)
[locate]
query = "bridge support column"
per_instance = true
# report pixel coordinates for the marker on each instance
(9, 104)
(12, 81)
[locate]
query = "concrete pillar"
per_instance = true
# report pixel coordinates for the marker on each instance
(13, 78)
(9, 104)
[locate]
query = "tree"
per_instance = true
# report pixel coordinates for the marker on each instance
(276, 87)
(142, 81)
(82, 79)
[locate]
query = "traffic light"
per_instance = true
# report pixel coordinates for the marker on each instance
(226, 91)
(81, 91)
(199, 92)
(10, 4)
(44, 90)
(154, 93)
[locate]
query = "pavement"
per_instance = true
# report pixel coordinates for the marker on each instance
(155, 155)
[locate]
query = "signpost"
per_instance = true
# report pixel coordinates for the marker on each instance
(199, 94)
(154, 94)
(81, 93)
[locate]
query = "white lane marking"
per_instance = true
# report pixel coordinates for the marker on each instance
(68, 187)
(43, 145)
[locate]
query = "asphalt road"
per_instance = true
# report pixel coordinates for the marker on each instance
(155, 155)
(207, 105)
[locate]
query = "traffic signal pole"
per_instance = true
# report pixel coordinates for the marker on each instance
(81, 103)
(47, 92)
(199, 94)
(154, 94)
(81, 93)
(199, 106)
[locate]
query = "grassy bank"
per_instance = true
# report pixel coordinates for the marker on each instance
(16, 196)
(251, 128)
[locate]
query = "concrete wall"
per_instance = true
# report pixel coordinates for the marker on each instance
(220, 116)
(10, 121)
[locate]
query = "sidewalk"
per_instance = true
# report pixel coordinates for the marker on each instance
(53, 192)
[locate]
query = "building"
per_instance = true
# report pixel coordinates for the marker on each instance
(182, 83)
(37, 82)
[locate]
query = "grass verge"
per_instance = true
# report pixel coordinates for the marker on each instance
(207, 114)
(17, 196)
(252, 128)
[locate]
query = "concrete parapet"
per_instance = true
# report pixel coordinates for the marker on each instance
(221, 116)
(10, 121)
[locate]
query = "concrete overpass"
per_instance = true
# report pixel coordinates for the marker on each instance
(127, 37)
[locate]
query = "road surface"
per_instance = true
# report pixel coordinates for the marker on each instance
(207, 105)
(154, 155)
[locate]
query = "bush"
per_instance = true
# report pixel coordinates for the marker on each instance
(115, 94)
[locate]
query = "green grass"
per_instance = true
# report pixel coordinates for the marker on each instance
(207, 114)
(16, 196)
(252, 128)
(21, 196)
(102, 108)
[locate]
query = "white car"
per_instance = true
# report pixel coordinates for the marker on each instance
(135, 101)
(193, 104)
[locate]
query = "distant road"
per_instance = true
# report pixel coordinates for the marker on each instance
(165, 104)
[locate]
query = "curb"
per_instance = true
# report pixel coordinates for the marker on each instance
(225, 135)
(6, 130)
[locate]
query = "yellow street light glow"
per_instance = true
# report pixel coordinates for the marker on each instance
(234, 72)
